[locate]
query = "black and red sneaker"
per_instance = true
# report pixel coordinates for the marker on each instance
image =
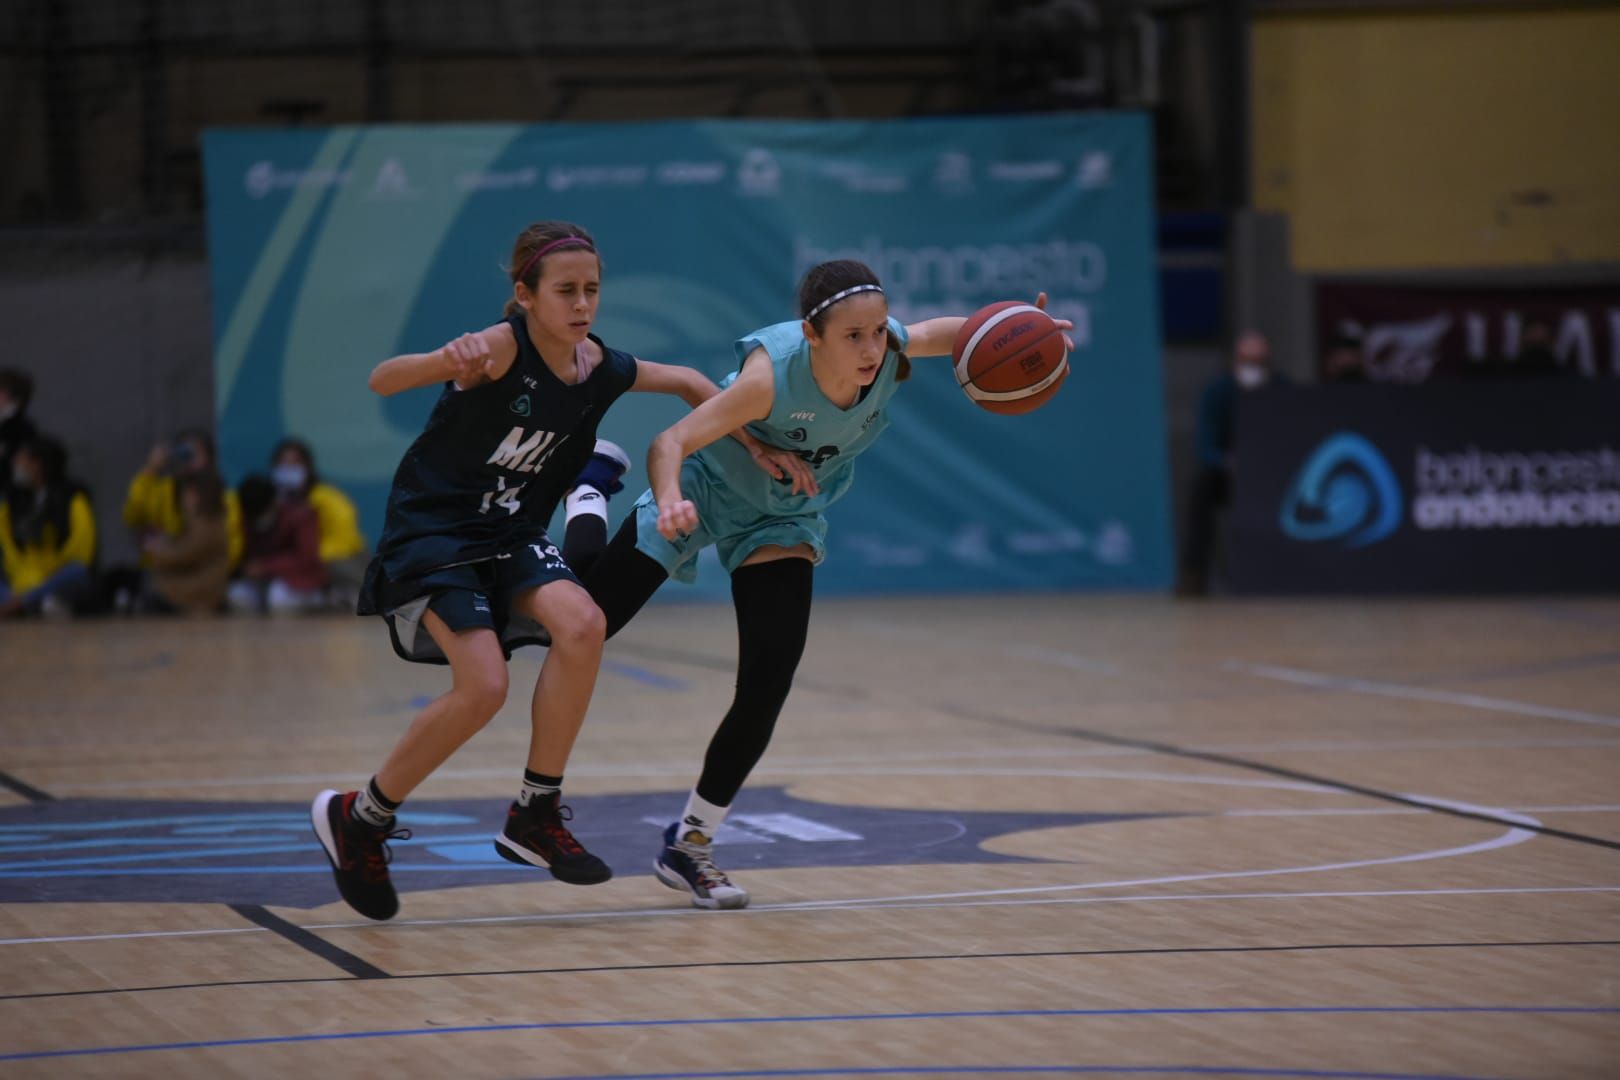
(536, 836)
(358, 853)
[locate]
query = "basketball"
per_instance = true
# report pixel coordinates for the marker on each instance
(1010, 357)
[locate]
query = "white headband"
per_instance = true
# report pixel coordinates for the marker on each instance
(837, 296)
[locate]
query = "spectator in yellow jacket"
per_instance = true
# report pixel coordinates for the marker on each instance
(343, 548)
(152, 507)
(47, 533)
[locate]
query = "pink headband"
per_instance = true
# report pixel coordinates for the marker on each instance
(523, 273)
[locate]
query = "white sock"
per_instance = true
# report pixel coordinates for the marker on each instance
(585, 499)
(702, 817)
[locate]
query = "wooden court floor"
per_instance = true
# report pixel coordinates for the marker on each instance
(1066, 836)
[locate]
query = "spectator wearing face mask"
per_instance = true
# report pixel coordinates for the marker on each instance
(152, 507)
(281, 569)
(47, 533)
(1212, 484)
(343, 548)
(16, 391)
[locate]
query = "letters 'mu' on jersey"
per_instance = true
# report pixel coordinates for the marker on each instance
(804, 420)
(488, 470)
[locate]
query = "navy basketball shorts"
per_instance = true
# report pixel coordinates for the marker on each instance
(467, 596)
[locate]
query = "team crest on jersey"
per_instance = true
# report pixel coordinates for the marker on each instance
(521, 405)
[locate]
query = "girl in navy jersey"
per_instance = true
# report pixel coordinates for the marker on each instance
(821, 383)
(464, 571)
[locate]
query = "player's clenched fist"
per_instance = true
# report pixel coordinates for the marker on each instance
(468, 356)
(677, 519)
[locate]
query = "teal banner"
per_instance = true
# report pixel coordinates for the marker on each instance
(333, 249)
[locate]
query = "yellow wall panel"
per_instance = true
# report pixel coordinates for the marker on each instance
(1403, 141)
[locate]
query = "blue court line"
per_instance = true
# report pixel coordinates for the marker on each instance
(177, 871)
(1066, 1070)
(182, 847)
(581, 1025)
(642, 675)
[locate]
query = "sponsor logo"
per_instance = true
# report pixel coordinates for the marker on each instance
(1023, 172)
(569, 177)
(263, 178)
(691, 173)
(481, 603)
(803, 415)
(508, 180)
(759, 173)
(858, 177)
(520, 405)
(797, 434)
(392, 182)
(1095, 171)
(953, 173)
(1345, 492)
(1479, 489)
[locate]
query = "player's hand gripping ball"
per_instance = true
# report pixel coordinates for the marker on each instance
(1011, 357)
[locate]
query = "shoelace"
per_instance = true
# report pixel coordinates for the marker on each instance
(557, 832)
(375, 854)
(709, 875)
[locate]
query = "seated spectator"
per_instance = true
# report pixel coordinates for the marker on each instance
(343, 547)
(1343, 361)
(281, 552)
(190, 571)
(152, 506)
(16, 391)
(47, 533)
(1212, 484)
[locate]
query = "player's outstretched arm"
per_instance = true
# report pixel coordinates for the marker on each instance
(748, 398)
(471, 360)
(935, 337)
(688, 384)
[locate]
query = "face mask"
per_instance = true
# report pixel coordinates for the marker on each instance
(1250, 376)
(289, 477)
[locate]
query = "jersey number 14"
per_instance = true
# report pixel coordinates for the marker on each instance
(502, 496)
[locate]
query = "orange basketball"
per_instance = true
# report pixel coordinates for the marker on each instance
(1010, 357)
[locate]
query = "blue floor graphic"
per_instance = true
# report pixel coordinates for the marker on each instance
(199, 852)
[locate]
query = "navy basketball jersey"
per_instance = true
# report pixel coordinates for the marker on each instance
(493, 461)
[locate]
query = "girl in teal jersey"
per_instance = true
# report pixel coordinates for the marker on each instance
(821, 386)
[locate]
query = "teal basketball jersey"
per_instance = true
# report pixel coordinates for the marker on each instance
(804, 420)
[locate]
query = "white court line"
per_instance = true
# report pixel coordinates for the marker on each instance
(1375, 811)
(1419, 693)
(1507, 839)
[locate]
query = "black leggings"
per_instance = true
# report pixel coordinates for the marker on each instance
(773, 616)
